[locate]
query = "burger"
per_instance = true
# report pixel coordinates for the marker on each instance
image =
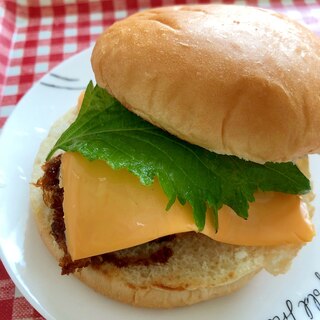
(183, 172)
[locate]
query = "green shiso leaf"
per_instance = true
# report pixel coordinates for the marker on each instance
(105, 130)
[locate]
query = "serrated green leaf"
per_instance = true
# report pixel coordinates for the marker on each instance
(105, 130)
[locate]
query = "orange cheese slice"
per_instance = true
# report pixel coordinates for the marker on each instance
(107, 210)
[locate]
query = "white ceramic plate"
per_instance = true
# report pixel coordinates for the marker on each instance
(294, 296)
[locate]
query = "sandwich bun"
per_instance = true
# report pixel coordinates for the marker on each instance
(235, 80)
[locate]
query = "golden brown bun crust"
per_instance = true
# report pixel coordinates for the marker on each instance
(199, 269)
(232, 79)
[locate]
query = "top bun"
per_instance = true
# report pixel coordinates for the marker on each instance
(235, 80)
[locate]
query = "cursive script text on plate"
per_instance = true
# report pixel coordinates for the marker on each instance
(310, 306)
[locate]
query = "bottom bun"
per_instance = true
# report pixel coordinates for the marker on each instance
(199, 268)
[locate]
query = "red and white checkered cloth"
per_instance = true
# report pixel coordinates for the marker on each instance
(36, 35)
